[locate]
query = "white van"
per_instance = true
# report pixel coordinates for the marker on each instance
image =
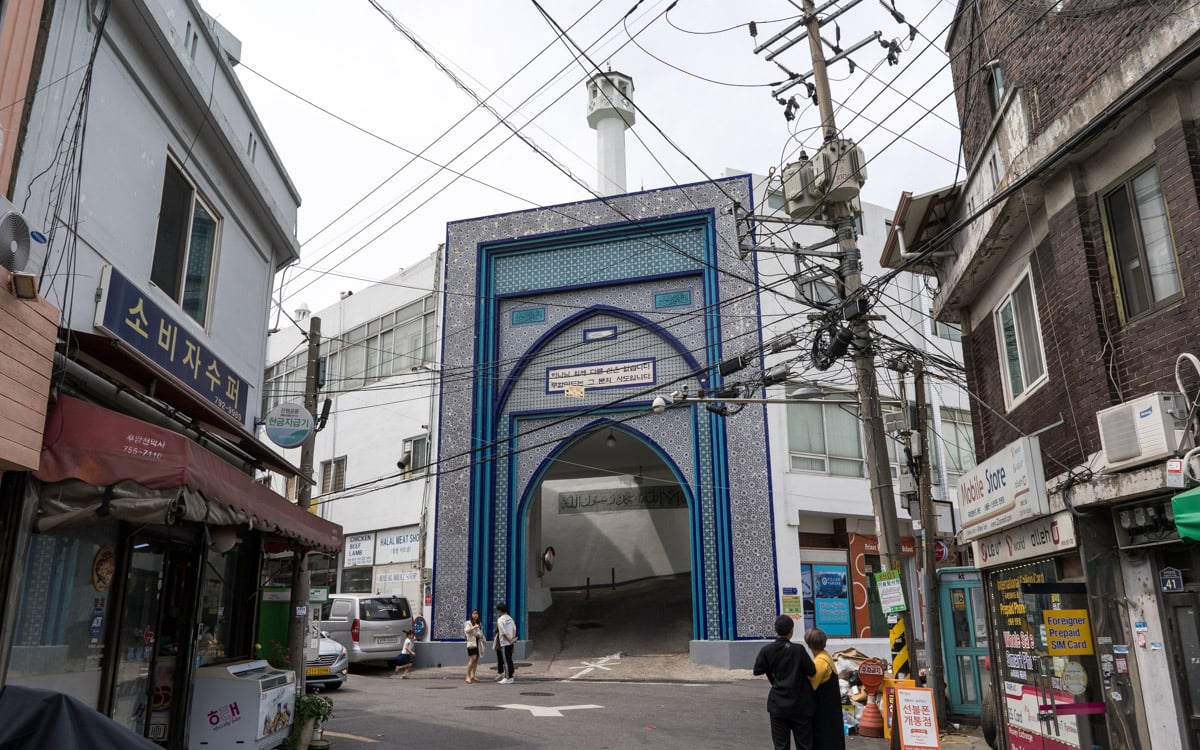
(370, 626)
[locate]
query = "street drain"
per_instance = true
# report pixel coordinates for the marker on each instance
(522, 664)
(540, 695)
(588, 625)
(442, 687)
(483, 708)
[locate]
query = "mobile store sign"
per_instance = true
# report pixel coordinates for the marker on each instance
(1006, 489)
(1045, 536)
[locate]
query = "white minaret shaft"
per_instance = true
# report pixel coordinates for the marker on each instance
(610, 112)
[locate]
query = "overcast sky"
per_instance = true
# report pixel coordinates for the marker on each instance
(386, 101)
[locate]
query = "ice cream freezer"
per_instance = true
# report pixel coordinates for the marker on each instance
(242, 705)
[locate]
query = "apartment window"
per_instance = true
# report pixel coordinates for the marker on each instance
(333, 475)
(825, 439)
(948, 331)
(392, 344)
(415, 458)
(1143, 252)
(995, 85)
(1022, 363)
(958, 443)
(185, 245)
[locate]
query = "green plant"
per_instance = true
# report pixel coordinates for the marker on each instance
(313, 706)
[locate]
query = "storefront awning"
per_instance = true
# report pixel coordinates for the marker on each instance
(1186, 507)
(104, 448)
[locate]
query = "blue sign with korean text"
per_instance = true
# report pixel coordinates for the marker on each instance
(129, 314)
(831, 599)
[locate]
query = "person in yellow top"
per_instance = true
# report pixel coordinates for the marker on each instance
(827, 728)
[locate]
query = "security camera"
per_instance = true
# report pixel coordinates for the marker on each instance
(659, 405)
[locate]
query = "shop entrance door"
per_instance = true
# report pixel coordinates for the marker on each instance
(1182, 610)
(149, 688)
(964, 638)
(1062, 705)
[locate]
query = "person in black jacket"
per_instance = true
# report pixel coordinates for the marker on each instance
(790, 703)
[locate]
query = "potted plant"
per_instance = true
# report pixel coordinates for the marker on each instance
(312, 710)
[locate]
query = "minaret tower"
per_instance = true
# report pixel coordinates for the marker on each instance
(609, 113)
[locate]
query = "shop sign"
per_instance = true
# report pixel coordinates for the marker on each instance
(130, 315)
(918, 720)
(397, 545)
(360, 550)
(1006, 489)
(1045, 536)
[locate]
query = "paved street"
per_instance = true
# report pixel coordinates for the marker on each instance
(435, 709)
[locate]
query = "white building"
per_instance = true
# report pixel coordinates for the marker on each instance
(381, 376)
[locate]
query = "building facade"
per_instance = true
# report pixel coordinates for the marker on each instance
(1068, 257)
(133, 541)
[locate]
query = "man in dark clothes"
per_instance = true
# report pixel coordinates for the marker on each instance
(790, 703)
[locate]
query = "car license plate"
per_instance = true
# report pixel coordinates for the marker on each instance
(387, 639)
(316, 670)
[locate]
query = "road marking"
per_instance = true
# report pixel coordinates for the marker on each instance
(354, 737)
(587, 667)
(554, 711)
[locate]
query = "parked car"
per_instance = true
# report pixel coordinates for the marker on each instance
(329, 670)
(370, 626)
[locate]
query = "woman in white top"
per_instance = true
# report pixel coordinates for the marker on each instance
(473, 629)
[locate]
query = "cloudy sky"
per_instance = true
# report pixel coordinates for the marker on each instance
(385, 146)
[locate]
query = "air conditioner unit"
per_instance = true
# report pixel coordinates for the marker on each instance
(1143, 430)
(14, 238)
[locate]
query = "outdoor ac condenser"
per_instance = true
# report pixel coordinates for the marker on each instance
(1141, 431)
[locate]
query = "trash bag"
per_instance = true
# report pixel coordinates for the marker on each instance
(33, 717)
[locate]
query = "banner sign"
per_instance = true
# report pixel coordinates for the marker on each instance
(891, 591)
(601, 375)
(397, 545)
(1045, 536)
(831, 598)
(125, 312)
(360, 550)
(633, 497)
(1005, 489)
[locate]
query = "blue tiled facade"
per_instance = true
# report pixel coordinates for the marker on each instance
(652, 279)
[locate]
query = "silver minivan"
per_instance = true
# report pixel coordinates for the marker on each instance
(370, 626)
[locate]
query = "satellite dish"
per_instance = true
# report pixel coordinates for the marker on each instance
(14, 238)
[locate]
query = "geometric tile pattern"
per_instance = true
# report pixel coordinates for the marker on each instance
(594, 265)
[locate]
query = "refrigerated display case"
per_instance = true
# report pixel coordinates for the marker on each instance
(246, 704)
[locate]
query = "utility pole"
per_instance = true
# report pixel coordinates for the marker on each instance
(299, 618)
(883, 500)
(934, 672)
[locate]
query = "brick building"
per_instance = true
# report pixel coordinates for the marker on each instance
(1070, 257)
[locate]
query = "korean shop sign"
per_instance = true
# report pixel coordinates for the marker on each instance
(126, 312)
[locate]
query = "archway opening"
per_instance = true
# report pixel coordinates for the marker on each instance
(609, 553)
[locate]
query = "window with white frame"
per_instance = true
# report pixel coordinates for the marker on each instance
(333, 475)
(825, 439)
(958, 443)
(1143, 253)
(185, 245)
(415, 458)
(1019, 334)
(948, 331)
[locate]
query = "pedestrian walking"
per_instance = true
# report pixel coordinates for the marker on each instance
(790, 703)
(473, 629)
(404, 662)
(506, 638)
(828, 726)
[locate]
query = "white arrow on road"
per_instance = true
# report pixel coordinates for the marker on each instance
(589, 666)
(547, 710)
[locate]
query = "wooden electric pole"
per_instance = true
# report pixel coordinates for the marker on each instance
(298, 607)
